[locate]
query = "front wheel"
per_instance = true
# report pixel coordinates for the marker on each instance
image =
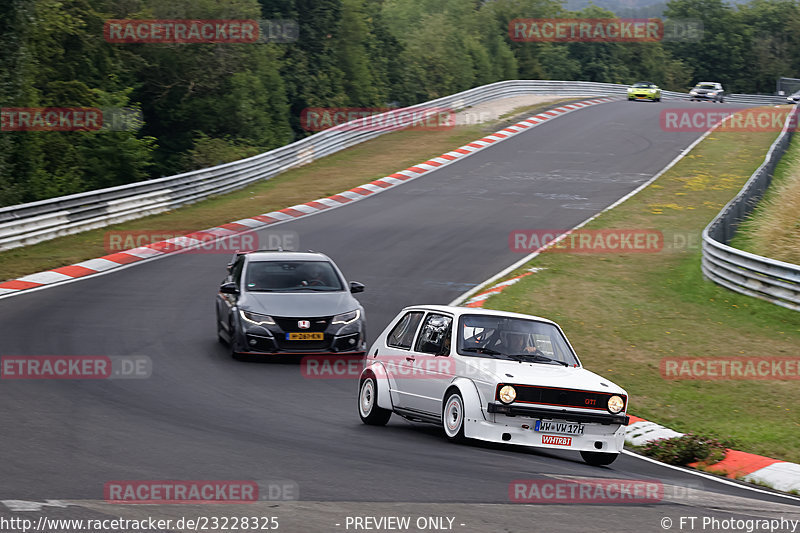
(368, 409)
(453, 417)
(599, 458)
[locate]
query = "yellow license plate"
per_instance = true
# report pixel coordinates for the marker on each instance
(305, 336)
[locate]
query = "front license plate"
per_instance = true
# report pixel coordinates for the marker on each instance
(553, 426)
(305, 336)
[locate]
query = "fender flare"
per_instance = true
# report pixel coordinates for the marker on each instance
(473, 410)
(378, 371)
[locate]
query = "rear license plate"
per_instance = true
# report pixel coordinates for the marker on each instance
(305, 336)
(553, 426)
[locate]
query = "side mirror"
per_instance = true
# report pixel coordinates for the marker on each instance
(356, 287)
(229, 288)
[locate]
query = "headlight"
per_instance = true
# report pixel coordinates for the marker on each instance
(255, 318)
(693, 93)
(347, 318)
(507, 394)
(615, 404)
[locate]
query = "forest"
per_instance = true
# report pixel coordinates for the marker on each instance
(205, 104)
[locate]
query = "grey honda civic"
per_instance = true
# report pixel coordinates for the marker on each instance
(282, 302)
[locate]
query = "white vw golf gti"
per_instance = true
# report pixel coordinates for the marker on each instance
(492, 376)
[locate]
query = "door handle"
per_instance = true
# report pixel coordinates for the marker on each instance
(412, 359)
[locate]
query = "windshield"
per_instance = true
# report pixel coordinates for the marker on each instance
(706, 86)
(292, 276)
(643, 84)
(513, 338)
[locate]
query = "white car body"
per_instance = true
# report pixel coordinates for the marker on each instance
(416, 384)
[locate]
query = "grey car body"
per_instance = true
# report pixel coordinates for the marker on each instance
(793, 98)
(268, 304)
(708, 90)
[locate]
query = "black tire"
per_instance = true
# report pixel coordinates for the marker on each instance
(368, 409)
(722, 100)
(599, 458)
(658, 99)
(232, 343)
(453, 416)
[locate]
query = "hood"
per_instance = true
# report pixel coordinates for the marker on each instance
(299, 304)
(547, 375)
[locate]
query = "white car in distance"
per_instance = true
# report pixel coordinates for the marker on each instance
(493, 376)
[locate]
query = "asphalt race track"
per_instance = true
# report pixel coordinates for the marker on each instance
(203, 415)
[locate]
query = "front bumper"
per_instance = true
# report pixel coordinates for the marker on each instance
(271, 339)
(703, 96)
(518, 429)
(644, 96)
(562, 414)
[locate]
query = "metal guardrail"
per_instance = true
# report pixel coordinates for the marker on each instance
(740, 271)
(34, 222)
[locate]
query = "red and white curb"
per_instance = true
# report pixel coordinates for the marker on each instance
(779, 475)
(200, 238)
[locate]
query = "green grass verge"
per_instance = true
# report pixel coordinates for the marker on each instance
(625, 312)
(328, 176)
(773, 228)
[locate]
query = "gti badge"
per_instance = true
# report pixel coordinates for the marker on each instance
(303, 324)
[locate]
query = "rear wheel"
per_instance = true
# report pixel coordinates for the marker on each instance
(368, 409)
(599, 458)
(453, 417)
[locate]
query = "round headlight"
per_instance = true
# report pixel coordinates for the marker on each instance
(507, 394)
(615, 404)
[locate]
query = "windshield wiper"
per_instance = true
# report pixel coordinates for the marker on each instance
(535, 358)
(487, 351)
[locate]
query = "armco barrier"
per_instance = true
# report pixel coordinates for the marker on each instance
(741, 271)
(30, 223)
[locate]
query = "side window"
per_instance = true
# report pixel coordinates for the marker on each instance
(434, 337)
(403, 333)
(236, 273)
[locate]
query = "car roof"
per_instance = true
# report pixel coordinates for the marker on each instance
(709, 83)
(458, 311)
(284, 255)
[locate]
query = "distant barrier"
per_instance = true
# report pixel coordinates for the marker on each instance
(34, 222)
(740, 271)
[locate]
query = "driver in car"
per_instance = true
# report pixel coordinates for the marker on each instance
(515, 342)
(314, 276)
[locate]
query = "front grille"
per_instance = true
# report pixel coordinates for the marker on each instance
(289, 324)
(257, 343)
(561, 397)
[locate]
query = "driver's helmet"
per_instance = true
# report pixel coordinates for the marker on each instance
(515, 341)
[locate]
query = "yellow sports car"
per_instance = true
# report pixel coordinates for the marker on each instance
(644, 90)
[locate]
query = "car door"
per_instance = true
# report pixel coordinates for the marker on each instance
(429, 374)
(396, 354)
(227, 302)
